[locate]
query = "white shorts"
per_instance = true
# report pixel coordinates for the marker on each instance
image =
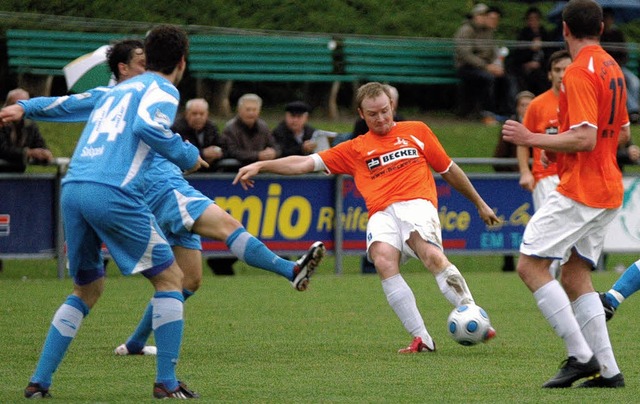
(394, 225)
(542, 190)
(562, 224)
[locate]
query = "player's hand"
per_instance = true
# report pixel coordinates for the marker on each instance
(634, 153)
(245, 174)
(514, 132)
(11, 113)
(547, 157)
(199, 164)
(487, 214)
(527, 181)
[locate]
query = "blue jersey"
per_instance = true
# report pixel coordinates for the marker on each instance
(174, 202)
(128, 126)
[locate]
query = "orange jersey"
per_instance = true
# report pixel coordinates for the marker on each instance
(593, 92)
(391, 168)
(542, 117)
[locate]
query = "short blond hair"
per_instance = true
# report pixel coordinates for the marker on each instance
(371, 90)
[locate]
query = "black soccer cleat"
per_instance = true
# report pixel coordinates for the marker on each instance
(572, 370)
(307, 265)
(609, 310)
(604, 382)
(34, 390)
(182, 392)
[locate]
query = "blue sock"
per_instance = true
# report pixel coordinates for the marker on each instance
(187, 294)
(168, 325)
(64, 326)
(627, 284)
(253, 251)
(139, 338)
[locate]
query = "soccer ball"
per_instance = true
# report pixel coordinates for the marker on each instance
(469, 324)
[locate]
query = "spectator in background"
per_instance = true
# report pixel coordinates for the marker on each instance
(196, 128)
(480, 66)
(509, 150)
(248, 139)
(293, 134)
(529, 63)
(247, 136)
(614, 43)
(21, 142)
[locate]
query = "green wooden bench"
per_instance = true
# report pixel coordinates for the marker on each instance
(265, 58)
(400, 61)
(45, 53)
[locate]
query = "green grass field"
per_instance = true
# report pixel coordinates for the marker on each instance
(252, 338)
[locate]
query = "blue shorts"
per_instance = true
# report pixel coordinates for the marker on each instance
(176, 206)
(94, 213)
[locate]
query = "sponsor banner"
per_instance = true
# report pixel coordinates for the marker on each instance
(26, 216)
(289, 213)
(623, 233)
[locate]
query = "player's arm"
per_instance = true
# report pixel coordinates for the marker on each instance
(73, 108)
(291, 165)
(577, 139)
(460, 182)
(526, 177)
(625, 135)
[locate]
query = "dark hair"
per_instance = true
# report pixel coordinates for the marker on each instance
(122, 52)
(495, 9)
(557, 55)
(532, 10)
(583, 18)
(164, 47)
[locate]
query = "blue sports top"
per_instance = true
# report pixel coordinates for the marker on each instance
(127, 127)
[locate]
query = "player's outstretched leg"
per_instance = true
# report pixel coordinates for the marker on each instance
(255, 253)
(627, 284)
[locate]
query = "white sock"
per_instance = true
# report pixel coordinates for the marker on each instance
(453, 286)
(590, 316)
(554, 304)
(403, 303)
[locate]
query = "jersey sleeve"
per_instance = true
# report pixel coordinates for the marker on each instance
(436, 156)
(69, 108)
(154, 117)
(339, 159)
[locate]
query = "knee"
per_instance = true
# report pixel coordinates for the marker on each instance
(192, 282)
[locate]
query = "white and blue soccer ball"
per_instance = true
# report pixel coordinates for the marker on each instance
(469, 324)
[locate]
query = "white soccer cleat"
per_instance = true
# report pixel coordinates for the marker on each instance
(147, 350)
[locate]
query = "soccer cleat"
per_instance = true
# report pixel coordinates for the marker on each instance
(181, 393)
(572, 370)
(147, 350)
(306, 265)
(607, 382)
(491, 333)
(609, 310)
(417, 346)
(34, 390)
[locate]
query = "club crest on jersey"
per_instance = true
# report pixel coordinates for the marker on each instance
(400, 142)
(391, 157)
